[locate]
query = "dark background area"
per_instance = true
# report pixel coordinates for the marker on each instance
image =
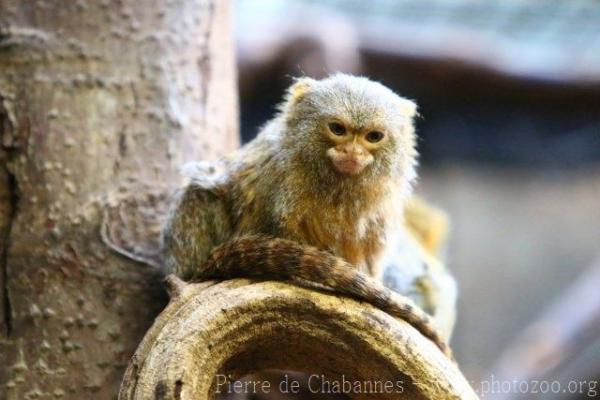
(471, 110)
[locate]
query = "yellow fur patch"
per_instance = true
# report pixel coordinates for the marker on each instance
(429, 225)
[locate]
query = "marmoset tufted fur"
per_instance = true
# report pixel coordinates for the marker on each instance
(311, 200)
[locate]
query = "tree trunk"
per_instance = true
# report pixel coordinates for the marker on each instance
(97, 98)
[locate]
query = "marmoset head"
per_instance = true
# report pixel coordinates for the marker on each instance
(350, 127)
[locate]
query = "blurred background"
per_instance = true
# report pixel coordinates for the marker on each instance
(509, 96)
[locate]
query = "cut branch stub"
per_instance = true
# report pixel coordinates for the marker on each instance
(236, 327)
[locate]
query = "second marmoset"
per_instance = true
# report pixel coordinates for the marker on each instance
(315, 198)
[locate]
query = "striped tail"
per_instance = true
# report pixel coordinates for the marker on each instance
(285, 260)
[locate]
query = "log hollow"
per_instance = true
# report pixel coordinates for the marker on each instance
(237, 327)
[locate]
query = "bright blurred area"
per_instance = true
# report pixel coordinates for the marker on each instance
(509, 97)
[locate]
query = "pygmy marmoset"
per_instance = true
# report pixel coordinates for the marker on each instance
(313, 199)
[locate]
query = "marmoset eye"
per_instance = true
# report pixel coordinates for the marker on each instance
(374, 136)
(337, 129)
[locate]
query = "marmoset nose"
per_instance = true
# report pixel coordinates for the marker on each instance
(352, 150)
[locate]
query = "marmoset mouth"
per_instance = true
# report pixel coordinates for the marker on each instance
(349, 165)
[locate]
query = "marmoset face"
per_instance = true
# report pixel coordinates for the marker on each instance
(354, 123)
(352, 148)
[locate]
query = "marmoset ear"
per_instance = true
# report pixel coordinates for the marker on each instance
(408, 108)
(300, 87)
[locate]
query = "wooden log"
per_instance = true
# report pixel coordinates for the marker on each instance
(229, 329)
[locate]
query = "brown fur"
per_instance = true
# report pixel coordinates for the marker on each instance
(283, 209)
(281, 259)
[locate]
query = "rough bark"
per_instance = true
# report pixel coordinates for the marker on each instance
(236, 327)
(96, 98)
